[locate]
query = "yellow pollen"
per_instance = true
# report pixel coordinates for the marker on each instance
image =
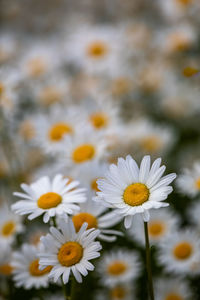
(94, 185)
(83, 153)
(50, 95)
(49, 200)
(6, 269)
(34, 269)
(8, 228)
(58, 130)
(117, 268)
(99, 120)
(97, 49)
(174, 296)
(151, 144)
(79, 219)
(118, 292)
(156, 228)
(197, 183)
(136, 194)
(190, 71)
(70, 254)
(36, 67)
(182, 250)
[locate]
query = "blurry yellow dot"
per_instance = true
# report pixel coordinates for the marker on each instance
(36, 67)
(121, 86)
(136, 194)
(173, 296)
(118, 292)
(83, 153)
(156, 228)
(81, 218)
(49, 200)
(94, 185)
(197, 183)
(2, 88)
(50, 95)
(35, 271)
(183, 250)
(27, 130)
(151, 143)
(6, 269)
(190, 71)
(97, 49)
(8, 228)
(58, 130)
(70, 254)
(117, 268)
(99, 120)
(184, 2)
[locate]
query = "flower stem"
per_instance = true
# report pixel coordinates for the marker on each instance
(148, 261)
(67, 290)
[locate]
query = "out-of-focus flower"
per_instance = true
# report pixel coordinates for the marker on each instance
(118, 266)
(6, 268)
(179, 253)
(172, 289)
(131, 189)
(26, 268)
(118, 292)
(68, 251)
(54, 198)
(161, 225)
(189, 181)
(97, 216)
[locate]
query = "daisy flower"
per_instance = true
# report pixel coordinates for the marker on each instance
(162, 223)
(118, 292)
(118, 267)
(172, 289)
(189, 181)
(6, 268)
(69, 252)
(131, 189)
(10, 225)
(51, 198)
(51, 129)
(97, 216)
(179, 253)
(95, 49)
(87, 146)
(26, 268)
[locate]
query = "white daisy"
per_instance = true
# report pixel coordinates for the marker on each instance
(51, 129)
(97, 216)
(172, 289)
(189, 181)
(95, 49)
(68, 251)
(87, 146)
(131, 189)
(179, 253)
(54, 198)
(6, 268)
(118, 292)
(26, 268)
(10, 225)
(162, 223)
(118, 266)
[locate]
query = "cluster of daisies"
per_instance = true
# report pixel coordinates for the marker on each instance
(95, 123)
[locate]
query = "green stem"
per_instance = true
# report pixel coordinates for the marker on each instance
(148, 261)
(67, 290)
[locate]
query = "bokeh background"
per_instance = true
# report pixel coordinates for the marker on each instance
(137, 59)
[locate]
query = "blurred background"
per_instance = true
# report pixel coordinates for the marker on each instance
(136, 60)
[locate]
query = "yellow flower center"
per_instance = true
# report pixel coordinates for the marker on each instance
(99, 120)
(49, 200)
(118, 292)
(136, 194)
(174, 296)
(94, 185)
(8, 228)
(183, 250)
(2, 88)
(83, 153)
(58, 130)
(35, 271)
(6, 269)
(197, 183)
(151, 143)
(190, 71)
(117, 268)
(36, 67)
(156, 228)
(50, 95)
(79, 219)
(97, 49)
(178, 42)
(184, 2)
(70, 254)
